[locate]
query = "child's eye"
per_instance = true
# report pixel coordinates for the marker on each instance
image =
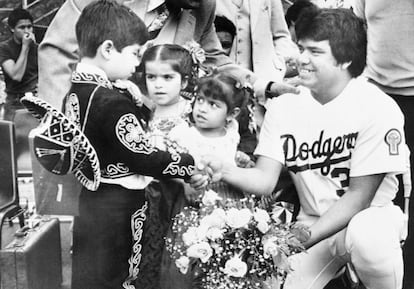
(199, 99)
(149, 77)
(214, 105)
(168, 77)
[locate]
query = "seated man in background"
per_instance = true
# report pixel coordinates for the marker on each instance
(18, 59)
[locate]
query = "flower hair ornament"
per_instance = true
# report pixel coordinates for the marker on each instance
(198, 56)
(247, 87)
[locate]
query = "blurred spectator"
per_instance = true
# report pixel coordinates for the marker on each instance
(390, 65)
(262, 41)
(293, 12)
(226, 31)
(18, 59)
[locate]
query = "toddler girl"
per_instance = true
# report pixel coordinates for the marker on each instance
(218, 101)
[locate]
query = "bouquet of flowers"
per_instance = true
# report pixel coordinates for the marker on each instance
(233, 243)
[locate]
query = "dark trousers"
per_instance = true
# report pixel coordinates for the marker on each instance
(12, 104)
(406, 104)
(103, 237)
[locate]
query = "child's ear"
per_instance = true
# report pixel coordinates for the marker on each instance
(184, 83)
(235, 112)
(106, 49)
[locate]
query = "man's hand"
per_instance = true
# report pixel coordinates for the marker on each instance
(277, 89)
(28, 38)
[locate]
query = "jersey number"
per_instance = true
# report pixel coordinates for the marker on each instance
(343, 174)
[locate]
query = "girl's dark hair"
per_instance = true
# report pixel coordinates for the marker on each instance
(226, 88)
(107, 20)
(345, 32)
(177, 56)
(18, 14)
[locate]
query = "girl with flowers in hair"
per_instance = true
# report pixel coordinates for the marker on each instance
(167, 78)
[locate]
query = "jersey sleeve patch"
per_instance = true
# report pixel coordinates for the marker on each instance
(393, 140)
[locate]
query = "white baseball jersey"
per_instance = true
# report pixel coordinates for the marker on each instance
(358, 133)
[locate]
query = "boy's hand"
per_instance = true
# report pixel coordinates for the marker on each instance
(192, 195)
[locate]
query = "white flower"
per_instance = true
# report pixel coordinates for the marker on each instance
(235, 267)
(270, 247)
(201, 250)
(194, 235)
(182, 264)
(263, 227)
(190, 237)
(210, 198)
(214, 233)
(236, 218)
(261, 215)
(216, 219)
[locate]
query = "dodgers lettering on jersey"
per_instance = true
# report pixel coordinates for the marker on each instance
(325, 155)
(322, 150)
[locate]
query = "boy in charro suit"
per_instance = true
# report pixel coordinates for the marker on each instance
(110, 37)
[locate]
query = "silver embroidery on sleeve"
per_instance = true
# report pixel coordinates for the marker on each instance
(174, 169)
(132, 136)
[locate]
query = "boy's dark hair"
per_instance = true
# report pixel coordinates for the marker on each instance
(345, 32)
(107, 20)
(294, 11)
(226, 88)
(177, 56)
(223, 24)
(18, 14)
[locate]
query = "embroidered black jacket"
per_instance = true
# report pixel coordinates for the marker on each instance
(115, 126)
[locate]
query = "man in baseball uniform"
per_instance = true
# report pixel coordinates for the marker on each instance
(342, 141)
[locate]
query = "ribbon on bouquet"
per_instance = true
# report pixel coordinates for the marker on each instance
(283, 211)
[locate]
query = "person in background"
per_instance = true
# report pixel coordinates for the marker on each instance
(18, 59)
(390, 65)
(168, 21)
(226, 31)
(293, 13)
(344, 168)
(262, 42)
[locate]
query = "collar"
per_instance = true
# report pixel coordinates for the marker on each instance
(91, 69)
(91, 74)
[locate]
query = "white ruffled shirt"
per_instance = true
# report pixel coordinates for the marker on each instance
(223, 147)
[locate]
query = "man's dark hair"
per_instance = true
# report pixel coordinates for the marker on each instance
(294, 11)
(107, 20)
(18, 14)
(345, 32)
(223, 24)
